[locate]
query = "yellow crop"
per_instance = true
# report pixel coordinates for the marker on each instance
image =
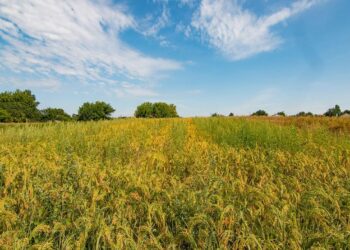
(204, 183)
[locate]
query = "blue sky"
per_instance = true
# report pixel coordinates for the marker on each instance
(204, 56)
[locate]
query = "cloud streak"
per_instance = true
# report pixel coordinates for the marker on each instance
(79, 38)
(239, 33)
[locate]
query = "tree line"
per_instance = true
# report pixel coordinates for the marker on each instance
(332, 112)
(22, 106)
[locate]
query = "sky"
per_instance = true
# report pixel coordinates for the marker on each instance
(204, 56)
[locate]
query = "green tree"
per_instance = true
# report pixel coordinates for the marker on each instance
(346, 112)
(20, 105)
(4, 116)
(302, 113)
(156, 110)
(95, 111)
(336, 111)
(145, 110)
(260, 113)
(164, 110)
(54, 114)
(216, 115)
(281, 113)
(231, 114)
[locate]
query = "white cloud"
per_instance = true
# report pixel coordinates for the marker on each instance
(189, 3)
(154, 25)
(130, 89)
(239, 33)
(45, 84)
(79, 38)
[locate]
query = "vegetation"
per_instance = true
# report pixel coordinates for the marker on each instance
(204, 183)
(95, 111)
(302, 113)
(156, 110)
(217, 115)
(4, 116)
(19, 106)
(336, 111)
(54, 114)
(260, 113)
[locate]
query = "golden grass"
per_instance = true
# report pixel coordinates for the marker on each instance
(176, 183)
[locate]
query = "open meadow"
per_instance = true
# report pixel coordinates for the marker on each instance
(189, 183)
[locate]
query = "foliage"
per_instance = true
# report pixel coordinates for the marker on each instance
(260, 113)
(20, 105)
(95, 111)
(231, 114)
(217, 115)
(302, 113)
(346, 112)
(54, 114)
(252, 183)
(4, 116)
(336, 111)
(156, 110)
(281, 114)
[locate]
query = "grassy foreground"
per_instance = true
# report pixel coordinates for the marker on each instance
(202, 183)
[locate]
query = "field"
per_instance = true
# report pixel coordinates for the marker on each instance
(194, 183)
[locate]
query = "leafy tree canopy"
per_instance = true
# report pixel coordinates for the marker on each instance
(144, 110)
(20, 105)
(54, 114)
(216, 115)
(336, 111)
(281, 113)
(260, 113)
(302, 113)
(95, 111)
(346, 112)
(156, 110)
(4, 116)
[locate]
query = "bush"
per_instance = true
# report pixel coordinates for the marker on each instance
(216, 115)
(281, 114)
(95, 111)
(336, 111)
(4, 116)
(302, 113)
(346, 112)
(260, 113)
(54, 114)
(156, 110)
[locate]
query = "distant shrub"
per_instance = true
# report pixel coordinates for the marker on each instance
(95, 111)
(336, 111)
(4, 116)
(260, 113)
(54, 114)
(281, 113)
(304, 114)
(217, 115)
(156, 110)
(346, 112)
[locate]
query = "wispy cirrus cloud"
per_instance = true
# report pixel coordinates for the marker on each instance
(129, 89)
(79, 38)
(239, 33)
